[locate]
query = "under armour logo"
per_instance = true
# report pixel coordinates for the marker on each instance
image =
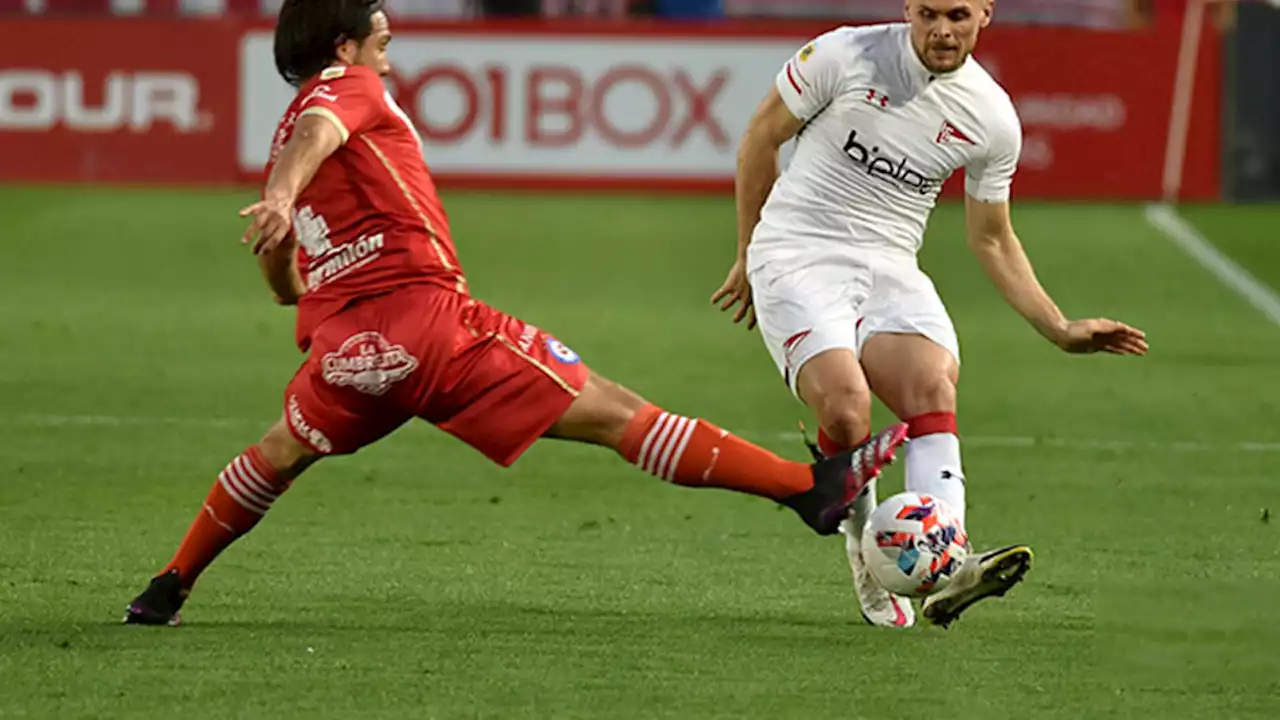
(875, 97)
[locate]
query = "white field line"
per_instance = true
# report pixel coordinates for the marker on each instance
(1011, 442)
(1017, 442)
(1181, 233)
(54, 421)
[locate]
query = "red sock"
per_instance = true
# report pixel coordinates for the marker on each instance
(244, 492)
(931, 424)
(695, 453)
(830, 447)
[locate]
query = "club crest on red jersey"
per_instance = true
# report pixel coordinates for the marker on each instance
(368, 363)
(562, 352)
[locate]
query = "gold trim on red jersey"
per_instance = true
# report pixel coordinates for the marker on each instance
(426, 222)
(331, 116)
(564, 384)
(537, 363)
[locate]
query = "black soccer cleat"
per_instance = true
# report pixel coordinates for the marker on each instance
(159, 603)
(989, 575)
(838, 480)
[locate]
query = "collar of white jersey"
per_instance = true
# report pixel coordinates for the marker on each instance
(916, 68)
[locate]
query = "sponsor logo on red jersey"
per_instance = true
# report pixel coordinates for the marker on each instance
(305, 430)
(368, 363)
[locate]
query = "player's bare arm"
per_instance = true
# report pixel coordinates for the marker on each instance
(994, 242)
(315, 137)
(772, 125)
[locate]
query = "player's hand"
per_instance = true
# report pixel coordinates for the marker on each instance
(736, 289)
(1102, 335)
(272, 220)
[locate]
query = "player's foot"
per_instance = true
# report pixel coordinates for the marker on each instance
(159, 603)
(879, 606)
(982, 576)
(838, 480)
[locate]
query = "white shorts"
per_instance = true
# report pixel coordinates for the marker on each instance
(840, 304)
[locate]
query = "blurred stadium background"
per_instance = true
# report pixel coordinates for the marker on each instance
(586, 150)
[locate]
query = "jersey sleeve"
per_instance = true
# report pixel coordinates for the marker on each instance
(349, 97)
(811, 79)
(990, 178)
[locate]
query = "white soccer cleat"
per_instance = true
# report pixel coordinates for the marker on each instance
(990, 574)
(879, 606)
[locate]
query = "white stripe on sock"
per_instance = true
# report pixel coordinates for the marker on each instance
(228, 484)
(234, 477)
(254, 481)
(682, 424)
(234, 485)
(648, 439)
(684, 442)
(651, 463)
(242, 482)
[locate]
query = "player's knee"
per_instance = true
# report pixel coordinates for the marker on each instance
(615, 405)
(933, 392)
(847, 429)
(288, 457)
(845, 415)
(600, 414)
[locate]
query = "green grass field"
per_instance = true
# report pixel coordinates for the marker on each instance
(138, 353)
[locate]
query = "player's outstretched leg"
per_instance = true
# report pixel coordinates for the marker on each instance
(916, 378)
(694, 453)
(833, 385)
(243, 493)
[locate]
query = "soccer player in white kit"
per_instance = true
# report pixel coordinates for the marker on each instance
(826, 262)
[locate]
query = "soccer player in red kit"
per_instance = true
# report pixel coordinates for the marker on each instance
(350, 230)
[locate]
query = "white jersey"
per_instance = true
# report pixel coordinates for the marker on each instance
(882, 134)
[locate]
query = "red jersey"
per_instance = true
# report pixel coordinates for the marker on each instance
(370, 220)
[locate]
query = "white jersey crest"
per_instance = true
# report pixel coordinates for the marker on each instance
(881, 136)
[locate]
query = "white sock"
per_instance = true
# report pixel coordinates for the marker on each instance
(933, 468)
(860, 510)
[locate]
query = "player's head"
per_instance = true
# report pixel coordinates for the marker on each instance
(944, 32)
(312, 35)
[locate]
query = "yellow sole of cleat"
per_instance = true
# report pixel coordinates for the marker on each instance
(1002, 569)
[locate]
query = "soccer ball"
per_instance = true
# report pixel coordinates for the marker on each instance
(914, 544)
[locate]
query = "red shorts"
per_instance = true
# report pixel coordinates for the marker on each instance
(491, 380)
